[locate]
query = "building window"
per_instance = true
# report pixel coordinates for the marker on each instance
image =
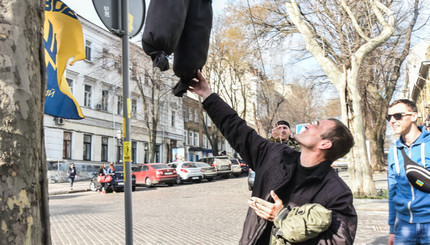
(87, 96)
(118, 150)
(119, 105)
(190, 115)
(185, 137)
(133, 151)
(196, 116)
(87, 147)
(105, 141)
(133, 108)
(205, 141)
(184, 115)
(191, 138)
(88, 46)
(70, 83)
(105, 100)
(196, 139)
(67, 145)
(173, 118)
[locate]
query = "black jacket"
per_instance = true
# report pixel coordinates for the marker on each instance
(274, 165)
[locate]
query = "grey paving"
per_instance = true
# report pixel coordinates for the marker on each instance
(204, 213)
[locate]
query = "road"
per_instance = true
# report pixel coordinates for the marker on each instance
(203, 213)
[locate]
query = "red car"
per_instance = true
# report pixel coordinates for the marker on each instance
(150, 174)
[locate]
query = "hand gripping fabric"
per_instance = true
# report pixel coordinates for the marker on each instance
(302, 223)
(182, 27)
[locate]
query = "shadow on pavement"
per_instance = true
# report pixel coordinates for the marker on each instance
(382, 240)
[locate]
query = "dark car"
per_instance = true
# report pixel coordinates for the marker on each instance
(150, 174)
(118, 182)
(244, 166)
(251, 178)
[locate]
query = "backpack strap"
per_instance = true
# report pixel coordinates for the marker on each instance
(423, 157)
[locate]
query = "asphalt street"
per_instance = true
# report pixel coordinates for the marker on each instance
(204, 213)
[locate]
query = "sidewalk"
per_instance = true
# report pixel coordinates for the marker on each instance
(64, 187)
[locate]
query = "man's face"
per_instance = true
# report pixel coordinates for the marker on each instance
(402, 125)
(311, 136)
(284, 132)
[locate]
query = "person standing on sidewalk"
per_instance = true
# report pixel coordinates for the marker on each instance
(71, 173)
(102, 172)
(409, 208)
(296, 178)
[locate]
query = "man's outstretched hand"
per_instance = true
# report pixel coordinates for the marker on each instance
(265, 209)
(200, 86)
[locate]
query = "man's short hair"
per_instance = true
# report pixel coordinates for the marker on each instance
(283, 122)
(341, 139)
(409, 103)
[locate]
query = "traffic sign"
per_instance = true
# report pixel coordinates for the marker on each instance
(109, 12)
(300, 128)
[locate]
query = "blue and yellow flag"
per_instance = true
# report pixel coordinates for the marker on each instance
(63, 39)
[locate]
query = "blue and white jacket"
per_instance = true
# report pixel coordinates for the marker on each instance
(406, 202)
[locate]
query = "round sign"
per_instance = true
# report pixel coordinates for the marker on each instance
(109, 12)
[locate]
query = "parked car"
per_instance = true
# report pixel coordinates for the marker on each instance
(118, 181)
(251, 179)
(187, 171)
(150, 174)
(209, 172)
(221, 163)
(244, 166)
(236, 171)
(340, 165)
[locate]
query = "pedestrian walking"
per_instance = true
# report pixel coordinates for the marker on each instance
(409, 204)
(71, 173)
(297, 178)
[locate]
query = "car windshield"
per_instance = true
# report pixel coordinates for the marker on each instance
(189, 165)
(201, 164)
(159, 166)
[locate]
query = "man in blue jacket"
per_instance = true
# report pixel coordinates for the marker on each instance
(409, 208)
(296, 177)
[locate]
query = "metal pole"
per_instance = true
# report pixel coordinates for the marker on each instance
(126, 124)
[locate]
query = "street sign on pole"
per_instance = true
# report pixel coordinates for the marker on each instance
(109, 12)
(124, 21)
(300, 128)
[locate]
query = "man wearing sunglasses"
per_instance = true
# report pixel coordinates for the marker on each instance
(409, 208)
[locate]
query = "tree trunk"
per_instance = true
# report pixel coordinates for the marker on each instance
(24, 203)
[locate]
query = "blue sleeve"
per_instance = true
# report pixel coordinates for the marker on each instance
(392, 188)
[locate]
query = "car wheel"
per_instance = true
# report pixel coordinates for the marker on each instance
(179, 181)
(148, 182)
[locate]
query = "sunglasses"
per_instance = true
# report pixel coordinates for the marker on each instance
(398, 116)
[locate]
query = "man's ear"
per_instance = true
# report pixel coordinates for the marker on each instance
(325, 144)
(415, 116)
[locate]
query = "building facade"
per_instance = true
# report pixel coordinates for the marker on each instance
(96, 84)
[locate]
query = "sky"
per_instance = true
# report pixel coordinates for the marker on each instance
(86, 9)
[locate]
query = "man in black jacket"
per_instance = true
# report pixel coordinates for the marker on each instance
(297, 178)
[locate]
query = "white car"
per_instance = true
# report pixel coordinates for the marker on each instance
(187, 171)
